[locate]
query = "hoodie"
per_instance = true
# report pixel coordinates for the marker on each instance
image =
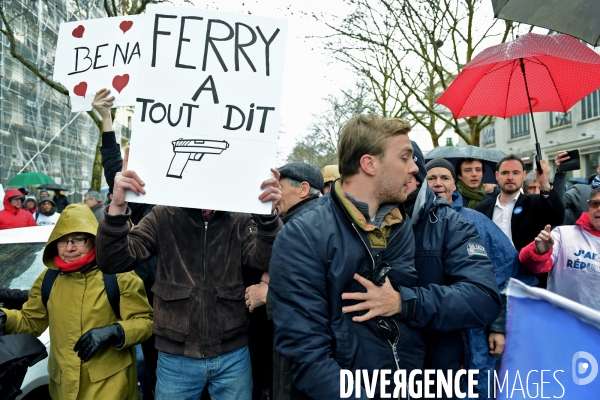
(78, 303)
(12, 217)
(35, 205)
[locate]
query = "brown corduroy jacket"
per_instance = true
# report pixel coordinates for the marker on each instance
(199, 308)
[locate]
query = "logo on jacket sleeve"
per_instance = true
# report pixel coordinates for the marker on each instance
(476, 249)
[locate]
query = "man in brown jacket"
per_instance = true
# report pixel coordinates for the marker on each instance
(200, 318)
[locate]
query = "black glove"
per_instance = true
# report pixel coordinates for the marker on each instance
(97, 338)
(2, 322)
(13, 299)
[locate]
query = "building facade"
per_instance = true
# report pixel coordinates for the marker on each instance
(578, 129)
(38, 131)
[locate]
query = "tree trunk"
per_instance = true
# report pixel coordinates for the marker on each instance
(97, 168)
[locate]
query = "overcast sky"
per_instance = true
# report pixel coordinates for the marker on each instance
(311, 74)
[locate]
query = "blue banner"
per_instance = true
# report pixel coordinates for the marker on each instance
(552, 347)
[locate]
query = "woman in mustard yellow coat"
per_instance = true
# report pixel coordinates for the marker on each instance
(91, 351)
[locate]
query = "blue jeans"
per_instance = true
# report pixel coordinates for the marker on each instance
(228, 376)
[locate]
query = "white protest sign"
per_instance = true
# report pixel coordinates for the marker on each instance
(98, 53)
(207, 110)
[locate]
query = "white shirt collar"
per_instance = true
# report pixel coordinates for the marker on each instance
(513, 200)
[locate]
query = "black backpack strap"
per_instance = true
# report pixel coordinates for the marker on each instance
(110, 283)
(47, 283)
(112, 291)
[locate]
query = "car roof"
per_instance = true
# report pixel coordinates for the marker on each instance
(32, 234)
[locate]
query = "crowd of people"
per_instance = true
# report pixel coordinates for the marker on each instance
(25, 210)
(380, 262)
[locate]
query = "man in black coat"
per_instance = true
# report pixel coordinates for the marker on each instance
(112, 162)
(522, 216)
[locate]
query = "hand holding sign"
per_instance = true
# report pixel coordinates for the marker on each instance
(102, 103)
(125, 180)
(544, 177)
(273, 190)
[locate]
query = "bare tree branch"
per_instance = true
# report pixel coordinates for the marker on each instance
(111, 9)
(408, 52)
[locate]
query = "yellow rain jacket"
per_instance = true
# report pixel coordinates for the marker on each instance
(78, 303)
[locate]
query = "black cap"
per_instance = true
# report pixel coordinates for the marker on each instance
(303, 172)
(441, 163)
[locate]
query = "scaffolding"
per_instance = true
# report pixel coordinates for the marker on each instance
(32, 113)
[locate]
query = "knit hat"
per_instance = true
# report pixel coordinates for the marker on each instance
(48, 199)
(30, 198)
(441, 163)
(420, 161)
(330, 173)
(303, 172)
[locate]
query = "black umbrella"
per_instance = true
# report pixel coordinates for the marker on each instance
(489, 158)
(52, 186)
(17, 353)
(578, 18)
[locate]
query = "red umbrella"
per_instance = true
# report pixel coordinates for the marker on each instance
(532, 73)
(560, 71)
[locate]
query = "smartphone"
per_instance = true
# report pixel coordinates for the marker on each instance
(573, 163)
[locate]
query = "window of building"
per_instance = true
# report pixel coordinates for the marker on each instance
(590, 105)
(519, 126)
(560, 119)
(592, 163)
(488, 135)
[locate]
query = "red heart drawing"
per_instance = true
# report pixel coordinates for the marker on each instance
(126, 25)
(120, 81)
(78, 32)
(80, 89)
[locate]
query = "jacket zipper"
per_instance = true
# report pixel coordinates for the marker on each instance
(399, 230)
(367, 247)
(394, 345)
(204, 291)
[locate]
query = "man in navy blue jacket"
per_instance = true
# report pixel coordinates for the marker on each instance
(328, 249)
(481, 345)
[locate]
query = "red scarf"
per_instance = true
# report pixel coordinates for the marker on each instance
(75, 265)
(584, 222)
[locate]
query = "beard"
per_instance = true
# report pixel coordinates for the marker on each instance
(509, 190)
(388, 191)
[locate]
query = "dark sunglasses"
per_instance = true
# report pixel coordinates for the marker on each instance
(594, 203)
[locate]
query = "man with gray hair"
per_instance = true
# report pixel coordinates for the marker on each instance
(301, 184)
(94, 201)
(530, 184)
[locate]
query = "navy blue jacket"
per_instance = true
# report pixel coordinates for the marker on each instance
(458, 289)
(505, 258)
(314, 259)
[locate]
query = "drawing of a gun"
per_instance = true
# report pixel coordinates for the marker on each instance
(190, 149)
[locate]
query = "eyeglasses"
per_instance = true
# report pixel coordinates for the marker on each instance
(77, 242)
(594, 203)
